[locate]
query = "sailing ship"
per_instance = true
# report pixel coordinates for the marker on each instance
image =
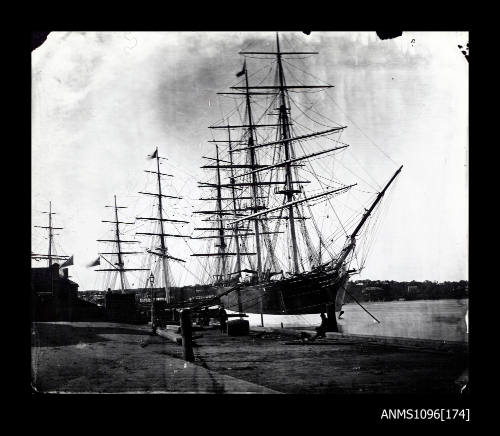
(115, 267)
(158, 247)
(268, 258)
(54, 296)
(52, 254)
(158, 255)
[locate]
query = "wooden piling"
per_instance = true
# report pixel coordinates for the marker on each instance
(187, 335)
(332, 320)
(261, 303)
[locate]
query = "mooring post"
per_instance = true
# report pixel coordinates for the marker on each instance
(261, 311)
(187, 335)
(332, 320)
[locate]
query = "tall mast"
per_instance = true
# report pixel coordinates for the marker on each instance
(50, 234)
(162, 233)
(163, 250)
(253, 163)
(285, 135)
(286, 139)
(222, 246)
(235, 207)
(119, 252)
(120, 265)
(49, 256)
(50, 248)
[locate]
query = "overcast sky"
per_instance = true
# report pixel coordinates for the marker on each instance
(102, 101)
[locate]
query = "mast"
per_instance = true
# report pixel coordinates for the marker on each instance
(162, 233)
(253, 163)
(221, 215)
(120, 265)
(163, 250)
(50, 234)
(49, 256)
(222, 246)
(285, 140)
(50, 248)
(285, 134)
(235, 206)
(120, 261)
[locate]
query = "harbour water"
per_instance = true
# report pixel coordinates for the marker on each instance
(421, 319)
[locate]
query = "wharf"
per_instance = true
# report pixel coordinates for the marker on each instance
(117, 358)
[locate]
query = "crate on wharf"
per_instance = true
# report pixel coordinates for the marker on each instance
(238, 327)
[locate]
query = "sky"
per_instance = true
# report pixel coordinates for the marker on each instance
(102, 101)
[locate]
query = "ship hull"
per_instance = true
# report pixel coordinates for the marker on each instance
(314, 292)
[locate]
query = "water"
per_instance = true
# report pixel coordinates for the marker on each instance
(422, 319)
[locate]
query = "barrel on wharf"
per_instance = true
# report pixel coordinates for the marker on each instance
(238, 327)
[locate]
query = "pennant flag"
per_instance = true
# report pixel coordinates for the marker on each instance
(68, 262)
(94, 263)
(243, 70)
(154, 155)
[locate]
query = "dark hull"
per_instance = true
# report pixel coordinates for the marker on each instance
(314, 292)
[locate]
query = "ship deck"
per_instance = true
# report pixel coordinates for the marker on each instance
(112, 357)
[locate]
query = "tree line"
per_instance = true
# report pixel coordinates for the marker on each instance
(389, 290)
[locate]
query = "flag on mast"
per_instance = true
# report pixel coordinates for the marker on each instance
(68, 262)
(154, 155)
(94, 263)
(243, 70)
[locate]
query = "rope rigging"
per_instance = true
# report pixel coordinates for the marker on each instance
(296, 249)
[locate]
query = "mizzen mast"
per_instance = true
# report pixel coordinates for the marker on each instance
(235, 204)
(222, 241)
(253, 163)
(221, 213)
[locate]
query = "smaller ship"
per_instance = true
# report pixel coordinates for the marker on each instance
(54, 297)
(116, 268)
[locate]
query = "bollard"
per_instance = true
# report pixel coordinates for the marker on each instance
(187, 337)
(332, 320)
(261, 312)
